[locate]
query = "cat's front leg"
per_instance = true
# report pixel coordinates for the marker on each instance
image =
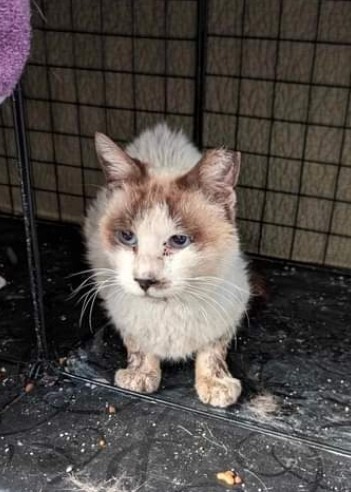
(213, 382)
(143, 373)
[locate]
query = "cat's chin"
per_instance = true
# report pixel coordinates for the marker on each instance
(160, 295)
(153, 294)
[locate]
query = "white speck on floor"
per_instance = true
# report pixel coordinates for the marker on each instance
(2, 282)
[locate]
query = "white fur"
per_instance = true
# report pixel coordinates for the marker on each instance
(173, 323)
(170, 152)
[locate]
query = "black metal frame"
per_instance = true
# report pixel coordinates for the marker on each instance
(28, 204)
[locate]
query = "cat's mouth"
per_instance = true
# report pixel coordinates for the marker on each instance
(158, 297)
(166, 294)
(156, 290)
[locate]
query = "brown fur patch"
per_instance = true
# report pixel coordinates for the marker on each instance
(216, 174)
(202, 219)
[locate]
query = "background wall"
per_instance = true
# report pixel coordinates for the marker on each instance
(277, 87)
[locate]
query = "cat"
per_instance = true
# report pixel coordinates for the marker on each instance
(163, 245)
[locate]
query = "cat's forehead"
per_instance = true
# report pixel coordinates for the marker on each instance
(154, 193)
(155, 199)
(155, 221)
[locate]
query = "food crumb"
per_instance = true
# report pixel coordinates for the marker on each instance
(229, 477)
(111, 409)
(102, 443)
(29, 387)
(2, 282)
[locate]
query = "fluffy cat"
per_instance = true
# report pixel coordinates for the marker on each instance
(162, 241)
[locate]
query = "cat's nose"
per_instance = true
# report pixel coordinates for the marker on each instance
(146, 283)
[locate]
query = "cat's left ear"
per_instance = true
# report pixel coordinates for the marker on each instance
(219, 169)
(217, 175)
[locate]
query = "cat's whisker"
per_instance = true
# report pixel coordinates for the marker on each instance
(86, 295)
(217, 286)
(222, 280)
(241, 301)
(89, 270)
(210, 301)
(227, 295)
(92, 280)
(91, 310)
(93, 286)
(220, 260)
(82, 286)
(85, 305)
(85, 299)
(116, 293)
(216, 279)
(186, 307)
(90, 297)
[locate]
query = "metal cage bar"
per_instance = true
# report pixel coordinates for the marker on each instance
(28, 203)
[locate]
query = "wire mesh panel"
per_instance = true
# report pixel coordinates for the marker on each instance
(115, 67)
(289, 64)
(10, 196)
(274, 83)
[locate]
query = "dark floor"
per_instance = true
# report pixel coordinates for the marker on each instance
(296, 345)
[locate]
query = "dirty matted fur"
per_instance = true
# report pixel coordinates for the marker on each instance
(163, 245)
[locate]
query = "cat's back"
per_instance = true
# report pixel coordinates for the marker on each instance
(167, 150)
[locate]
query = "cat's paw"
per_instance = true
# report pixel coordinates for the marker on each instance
(141, 382)
(218, 392)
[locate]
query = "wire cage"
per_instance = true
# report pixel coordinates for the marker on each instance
(270, 78)
(273, 82)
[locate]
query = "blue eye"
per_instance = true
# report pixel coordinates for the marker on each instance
(179, 241)
(127, 237)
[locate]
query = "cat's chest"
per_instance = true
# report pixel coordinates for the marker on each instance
(162, 315)
(168, 329)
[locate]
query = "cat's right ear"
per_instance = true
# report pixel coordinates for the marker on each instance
(117, 165)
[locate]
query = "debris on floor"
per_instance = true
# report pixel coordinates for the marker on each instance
(289, 431)
(229, 477)
(2, 282)
(82, 484)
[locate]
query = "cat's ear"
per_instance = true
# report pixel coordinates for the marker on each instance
(117, 165)
(216, 174)
(219, 169)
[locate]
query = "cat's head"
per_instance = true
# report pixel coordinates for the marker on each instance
(162, 234)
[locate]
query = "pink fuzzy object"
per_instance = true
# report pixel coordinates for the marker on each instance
(14, 43)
